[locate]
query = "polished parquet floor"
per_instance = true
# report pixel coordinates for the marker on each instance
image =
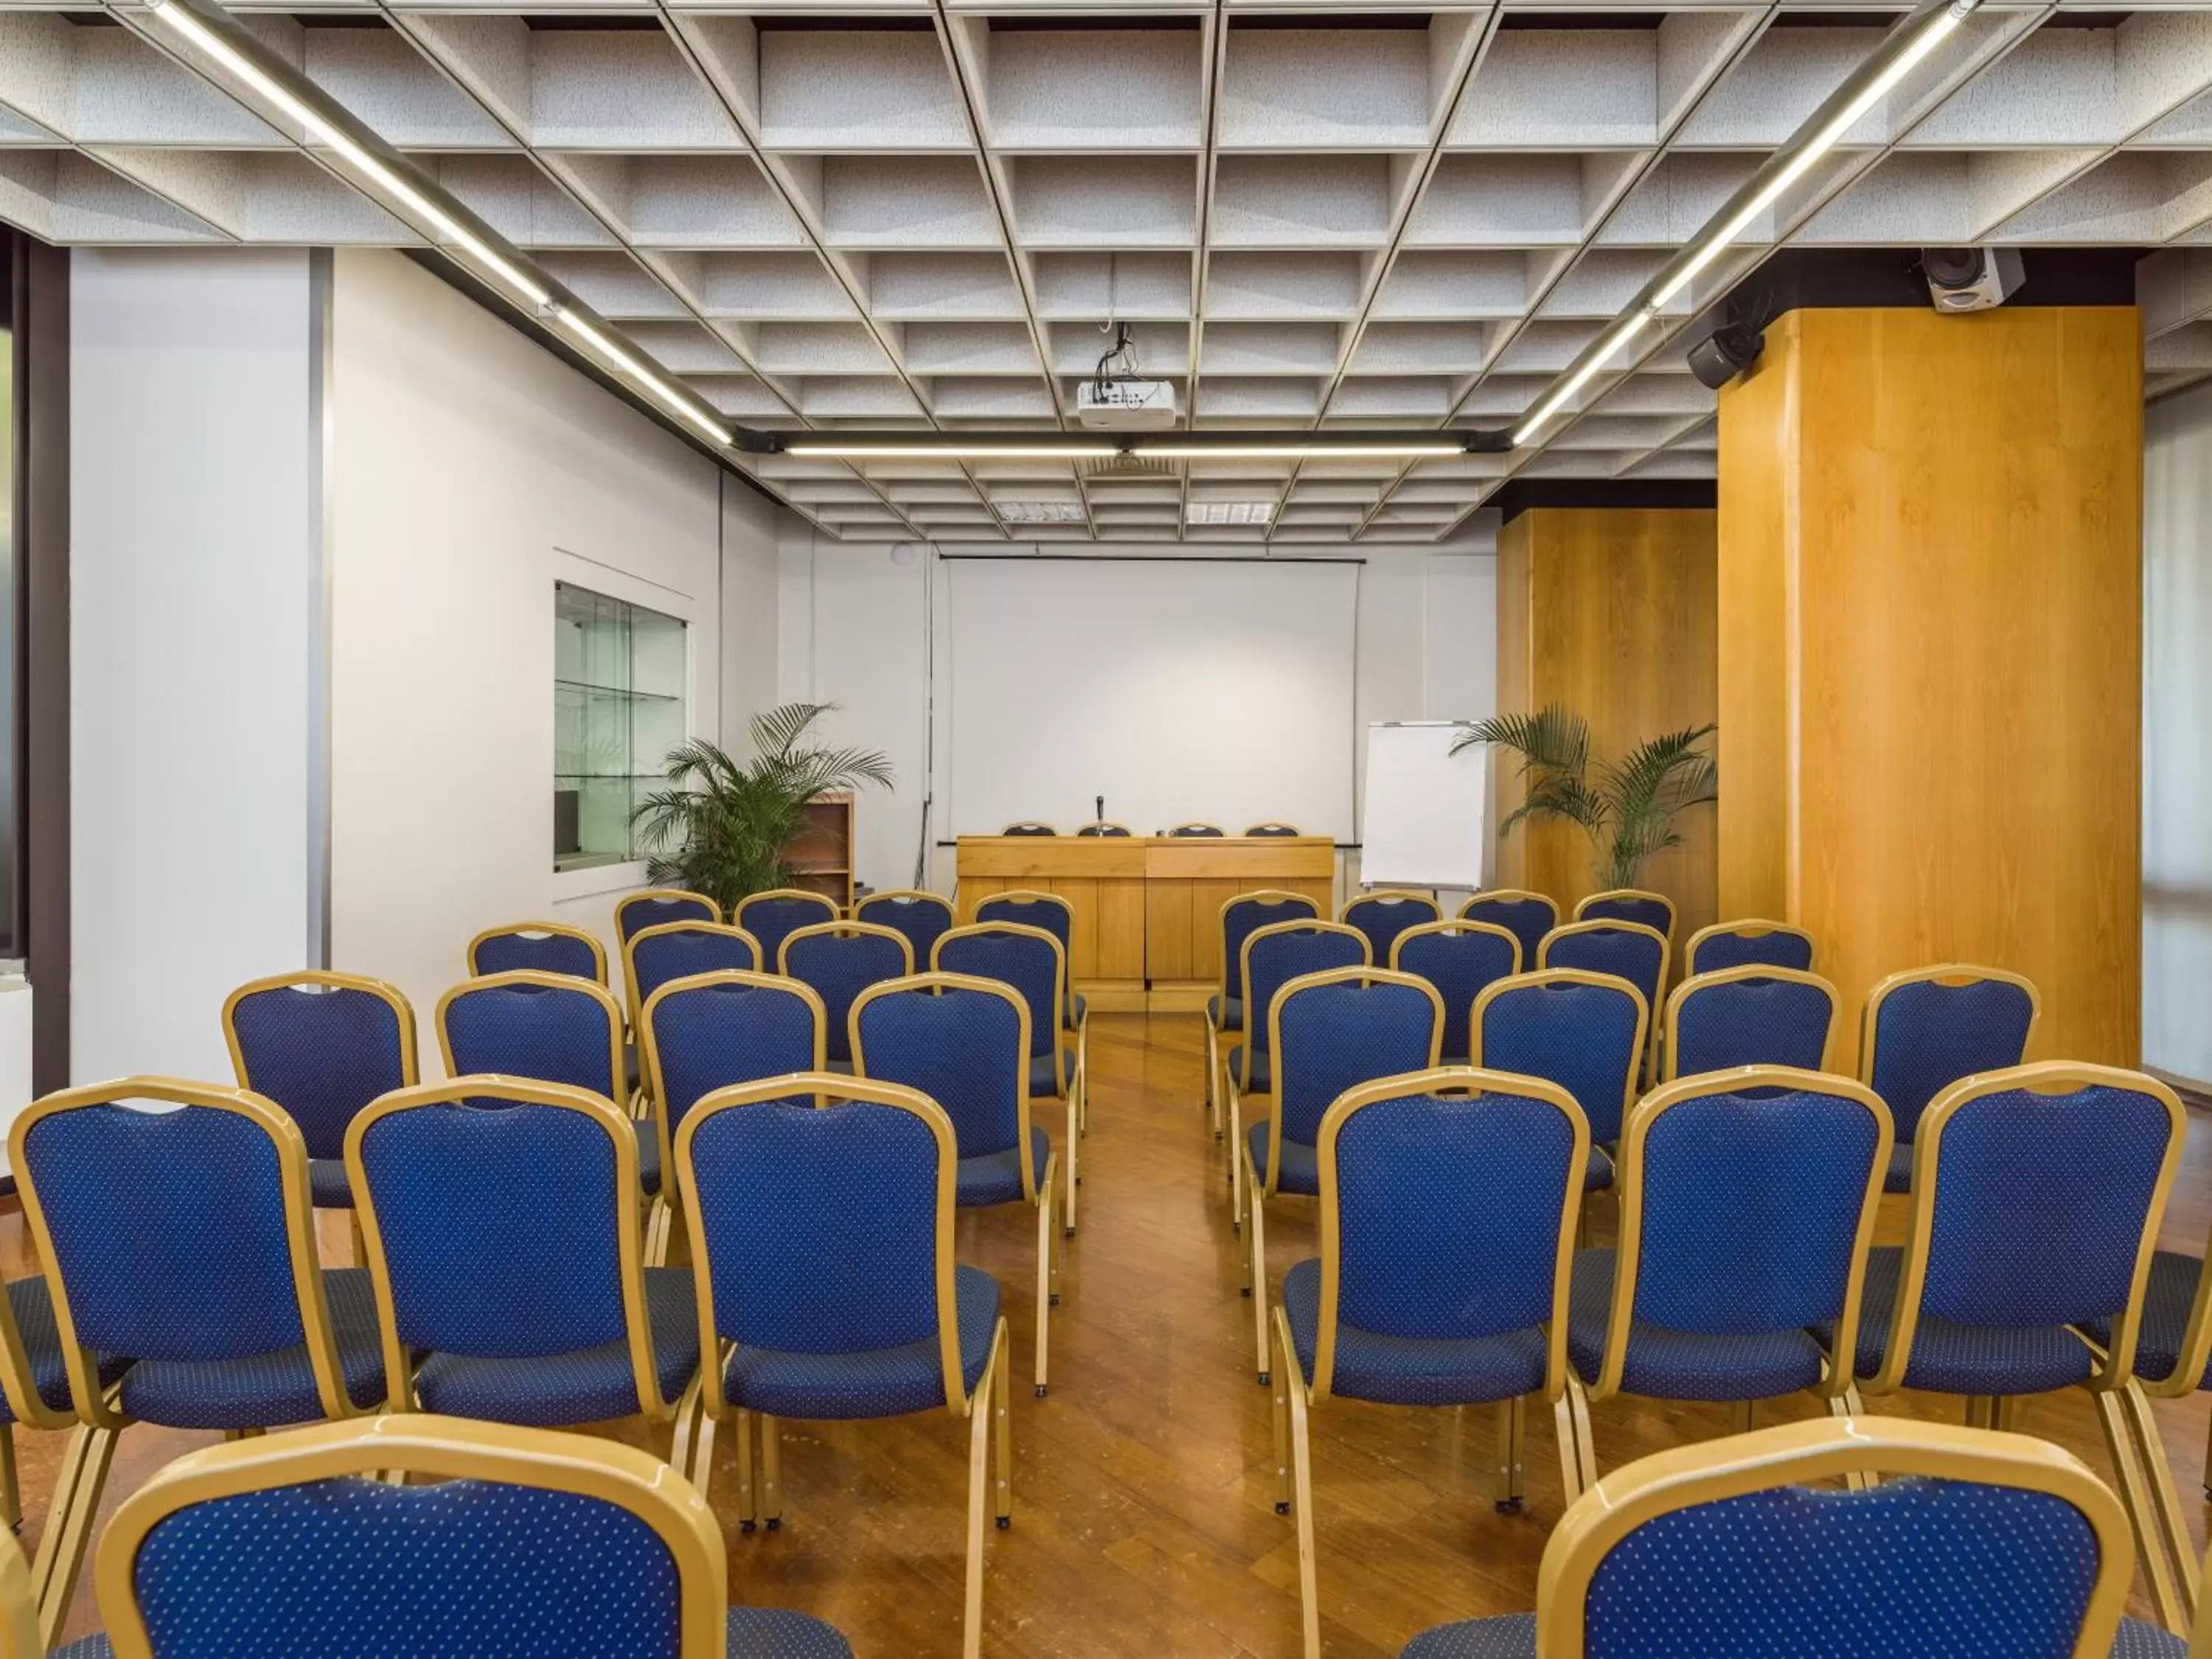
(1144, 1520)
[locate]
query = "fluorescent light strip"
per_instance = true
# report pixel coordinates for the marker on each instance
(829, 449)
(611, 352)
(1170, 450)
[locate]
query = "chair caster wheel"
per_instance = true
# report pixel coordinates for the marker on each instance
(1006, 1524)
(775, 1523)
(1282, 1509)
(1039, 1390)
(1266, 1377)
(1508, 1506)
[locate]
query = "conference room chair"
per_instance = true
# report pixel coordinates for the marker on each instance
(1029, 827)
(822, 1235)
(506, 1244)
(1386, 912)
(1197, 832)
(1527, 916)
(1271, 831)
(1240, 918)
(1627, 949)
(321, 1046)
(1447, 1201)
(1583, 1032)
(1923, 1029)
(923, 917)
(1748, 1202)
(1034, 962)
(1272, 956)
(668, 950)
(179, 1246)
(653, 907)
(2173, 1341)
(839, 960)
(1654, 911)
(544, 947)
(1461, 959)
(775, 915)
(964, 1043)
(434, 1537)
(1103, 828)
(1953, 1542)
(1327, 1032)
(1029, 908)
(1754, 1015)
(1743, 943)
(2036, 1197)
(711, 1032)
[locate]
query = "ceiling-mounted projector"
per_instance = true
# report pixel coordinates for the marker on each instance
(1970, 278)
(1125, 405)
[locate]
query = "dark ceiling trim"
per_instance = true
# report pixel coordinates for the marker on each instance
(1835, 279)
(1525, 495)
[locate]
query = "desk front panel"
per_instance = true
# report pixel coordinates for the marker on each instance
(1102, 879)
(1187, 882)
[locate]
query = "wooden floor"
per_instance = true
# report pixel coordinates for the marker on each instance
(1144, 1520)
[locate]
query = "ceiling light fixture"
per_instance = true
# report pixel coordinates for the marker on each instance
(1170, 449)
(1041, 512)
(1900, 53)
(1210, 513)
(1182, 446)
(878, 449)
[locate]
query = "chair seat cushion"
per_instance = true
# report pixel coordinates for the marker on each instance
(844, 1067)
(1402, 1371)
(1511, 1636)
(1073, 1010)
(267, 1390)
(33, 1304)
(1948, 1357)
(996, 1177)
(1668, 1365)
(1227, 1013)
(327, 1184)
(1301, 1164)
(592, 1385)
(1899, 1178)
(875, 1382)
(85, 1647)
(779, 1633)
(1042, 1081)
(2136, 1640)
(648, 1155)
(2167, 1298)
(1597, 1174)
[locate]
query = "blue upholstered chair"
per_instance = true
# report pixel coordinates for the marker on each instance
(1197, 832)
(656, 907)
(1527, 916)
(1271, 957)
(923, 917)
(821, 1230)
(1748, 1201)
(1925, 1030)
(839, 960)
(2173, 1341)
(322, 1046)
(965, 1042)
(178, 1225)
(1754, 1015)
(502, 1543)
(1627, 949)
(1273, 831)
(1385, 914)
(1241, 917)
(1447, 1201)
(775, 915)
(1327, 1032)
(1743, 943)
(1973, 1545)
(1055, 915)
(2036, 1195)
(1102, 829)
(668, 950)
(1583, 1031)
(1029, 827)
(505, 1238)
(1654, 911)
(1461, 959)
(544, 947)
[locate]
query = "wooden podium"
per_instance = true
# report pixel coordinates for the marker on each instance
(1147, 908)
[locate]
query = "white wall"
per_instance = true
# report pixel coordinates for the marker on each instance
(2178, 734)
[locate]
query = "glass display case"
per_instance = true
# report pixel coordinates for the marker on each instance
(619, 677)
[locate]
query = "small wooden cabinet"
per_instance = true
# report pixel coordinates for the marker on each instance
(821, 855)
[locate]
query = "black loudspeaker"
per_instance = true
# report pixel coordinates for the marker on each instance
(1726, 353)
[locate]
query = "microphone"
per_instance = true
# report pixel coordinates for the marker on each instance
(1100, 816)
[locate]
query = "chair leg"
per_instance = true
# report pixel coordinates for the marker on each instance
(1255, 1271)
(1848, 1404)
(1083, 1075)
(658, 1231)
(1741, 1415)
(1302, 1512)
(1074, 1132)
(682, 1437)
(2166, 1502)
(2003, 1409)
(1212, 1103)
(2134, 1494)
(1577, 1451)
(11, 1489)
(748, 1485)
(771, 1472)
(1511, 1485)
(1044, 1295)
(1284, 1368)
(1236, 1149)
(1002, 1422)
(69, 1515)
(360, 1239)
(979, 1451)
(2208, 1466)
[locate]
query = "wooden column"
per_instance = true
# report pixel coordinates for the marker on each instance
(1609, 611)
(1930, 651)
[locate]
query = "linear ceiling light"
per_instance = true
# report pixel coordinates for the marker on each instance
(880, 449)
(1900, 54)
(1228, 446)
(1228, 512)
(1170, 449)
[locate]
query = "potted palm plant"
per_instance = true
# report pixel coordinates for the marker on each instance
(1626, 807)
(724, 828)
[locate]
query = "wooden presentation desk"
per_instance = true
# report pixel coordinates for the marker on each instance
(1147, 908)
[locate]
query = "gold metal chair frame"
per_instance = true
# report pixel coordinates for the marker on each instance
(437, 1449)
(1272, 828)
(1697, 983)
(1746, 927)
(1234, 1084)
(1390, 896)
(18, 1601)
(1255, 1233)
(843, 929)
(665, 895)
(1295, 1397)
(1954, 973)
(665, 929)
(1489, 896)
(1036, 827)
(1456, 928)
(1098, 827)
(1080, 1080)
(892, 897)
(987, 1410)
(738, 910)
(1545, 976)
(1038, 1193)
(1219, 1042)
(1640, 894)
(1657, 1004)
(557, 929)
(1198, 828)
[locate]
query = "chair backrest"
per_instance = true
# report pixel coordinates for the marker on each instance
(1743, 943)
(1028, 908)
(1527, 916)
(1385, 913)
(923, 917)
(1924, 1029)
(504, 1543)
(1752, 1016)
(1274, 956)
(1103, 828)
(1448, 1206)
(1748, 1202)
(1244, 916)
(964, 1043)
(1274, 831)
(820, 1211)
(322, 1046)
(839, 960)
(544, 947)
(1626, 950)
(1581, 1030)
(1197, 831)
(713, 1030)
(176, 1223)
(546, 1027)
(2036, 1194)
(679, 949)
(1744, 1548)
(773, 916)
(653, 907)
(1335, 1030)
(1029, 827)
(1654, 911)
(1460, 959)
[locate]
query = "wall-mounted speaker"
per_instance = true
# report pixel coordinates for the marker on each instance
(1726, 353)
(1970, 278)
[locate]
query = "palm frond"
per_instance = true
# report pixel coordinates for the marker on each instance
(1552, 739)
(777, 731)
(1640, 776)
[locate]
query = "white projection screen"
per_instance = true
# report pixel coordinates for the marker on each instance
(1180, 688)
